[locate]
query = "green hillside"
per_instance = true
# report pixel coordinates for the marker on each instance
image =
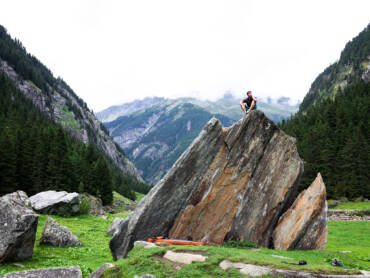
(352, 66)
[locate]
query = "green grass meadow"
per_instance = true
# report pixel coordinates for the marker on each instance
(354, 206)
(342, 236)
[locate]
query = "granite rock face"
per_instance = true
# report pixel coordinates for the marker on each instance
(303, 226)
(55, 202)
(60, 272)
(231, 183)
(19, 197)
(114, 226)
(56, 235)
(18, 226)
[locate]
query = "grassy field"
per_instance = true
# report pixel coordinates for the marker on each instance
(354, 205)
(342, 236)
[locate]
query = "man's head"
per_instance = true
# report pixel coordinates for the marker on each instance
(249, 94)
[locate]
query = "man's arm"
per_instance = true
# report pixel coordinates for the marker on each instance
(242, 106)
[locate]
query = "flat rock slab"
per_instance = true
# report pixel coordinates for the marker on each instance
(255, 270)
(56, 235)
(282, 257)
(18, 225)
(145, 244)
(61, 272)
(246, 269)
(52, 202)
(184, 258)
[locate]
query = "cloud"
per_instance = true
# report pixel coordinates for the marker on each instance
(110, 52)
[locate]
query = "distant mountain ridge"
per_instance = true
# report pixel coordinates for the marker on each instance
(155, 136)
(113, 112)
(228, 105)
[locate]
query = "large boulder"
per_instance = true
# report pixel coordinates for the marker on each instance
(231, 183)
(56, 235)
(18, 226)
(56, 202)
(303, 226)
(60, 272)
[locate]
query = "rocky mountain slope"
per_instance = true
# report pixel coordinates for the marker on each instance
(352, 66)
(155, 136)
(56, 99)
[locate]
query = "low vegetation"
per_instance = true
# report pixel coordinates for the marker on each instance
(354, 206)
(343, 236)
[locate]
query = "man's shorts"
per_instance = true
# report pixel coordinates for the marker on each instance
(247, 107)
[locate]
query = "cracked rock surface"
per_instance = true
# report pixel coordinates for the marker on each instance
(231, 183)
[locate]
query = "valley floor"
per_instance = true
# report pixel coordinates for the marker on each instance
(342, 236)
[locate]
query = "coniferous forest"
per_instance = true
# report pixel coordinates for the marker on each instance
(333, 138)
(36, 154)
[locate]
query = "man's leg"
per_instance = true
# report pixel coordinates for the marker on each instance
(246, 108)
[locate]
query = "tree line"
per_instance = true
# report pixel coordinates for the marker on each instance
(333, 137)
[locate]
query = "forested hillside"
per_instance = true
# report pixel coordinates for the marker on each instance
(57, 100)
(332, 126)
(334, 138)
(353, 66)
(49, 139)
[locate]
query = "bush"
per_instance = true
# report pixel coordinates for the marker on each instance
(84, 206)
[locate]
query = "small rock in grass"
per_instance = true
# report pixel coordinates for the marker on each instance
(60, 272)
(100, 271)
(345, 252)
(225, 265)
(282, 257)
(145, 276)
(56, 235)
(255, 270)
(184, 258)
(145, 244)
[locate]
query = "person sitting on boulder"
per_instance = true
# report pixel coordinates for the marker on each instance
(249, 103)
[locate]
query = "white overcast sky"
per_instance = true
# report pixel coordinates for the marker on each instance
(111, 52)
